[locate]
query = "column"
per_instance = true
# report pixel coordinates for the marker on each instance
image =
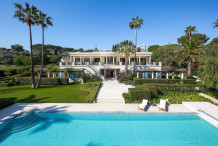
(115, 74)
(90, 60)
(53, 74)
(167, 75)
(137, 74)
(152, 75)
(73, 63)
(70, 58)
(113, 60)
(49, 74)
(149, 58)
(129, 61)
(182, 76)
(105, 73)
(80, 60)
(139, 60)
(106, 60)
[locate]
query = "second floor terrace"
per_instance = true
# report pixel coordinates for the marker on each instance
(107, 58)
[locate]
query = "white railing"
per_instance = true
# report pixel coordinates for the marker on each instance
(102, 63)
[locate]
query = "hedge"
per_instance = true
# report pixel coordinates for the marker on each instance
(6, 84)
(146, 90)
(140, 81)
(174, 87)
(91, 89)
(138, 94)
(46, 81)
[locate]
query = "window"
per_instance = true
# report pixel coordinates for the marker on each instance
(147, 75)
(159, 75)
(141, 75)
(61, 74)
(72, 76)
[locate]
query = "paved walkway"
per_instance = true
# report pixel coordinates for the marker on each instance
(211, 98)
(112, 90)
(18, 108)
(205, 110)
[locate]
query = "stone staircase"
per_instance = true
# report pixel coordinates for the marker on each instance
(111, 92)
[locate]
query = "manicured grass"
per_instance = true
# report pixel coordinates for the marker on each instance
(7, 68)
(44, 94)
(174, 97)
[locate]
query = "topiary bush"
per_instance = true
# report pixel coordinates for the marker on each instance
(140, 81)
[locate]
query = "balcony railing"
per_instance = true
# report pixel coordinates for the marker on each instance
(109, 63)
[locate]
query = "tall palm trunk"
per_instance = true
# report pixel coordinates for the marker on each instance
(189, 68)
(135, 50)
(41, 69)
(31, 57)
(126, 67)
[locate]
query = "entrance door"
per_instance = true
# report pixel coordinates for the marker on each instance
(109, 73)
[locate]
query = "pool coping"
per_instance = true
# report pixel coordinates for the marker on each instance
(205, 113)
(17, 108)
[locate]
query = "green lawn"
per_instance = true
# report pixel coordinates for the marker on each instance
(7, 68)
(46, 94)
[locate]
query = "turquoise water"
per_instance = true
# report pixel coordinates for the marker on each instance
(89, 129)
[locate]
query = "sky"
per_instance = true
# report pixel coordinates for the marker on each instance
(102, 23)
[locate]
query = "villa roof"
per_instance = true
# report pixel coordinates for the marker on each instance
(152, 69)
(149, 69)
(107, 53)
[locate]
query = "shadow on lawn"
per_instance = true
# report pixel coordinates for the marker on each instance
(4, 102)
(42, 121)
(27, 87)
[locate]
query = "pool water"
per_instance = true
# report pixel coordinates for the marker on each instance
(62, 129)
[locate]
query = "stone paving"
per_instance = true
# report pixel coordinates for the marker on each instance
(209, 97)
(111, 91)
(18, 108)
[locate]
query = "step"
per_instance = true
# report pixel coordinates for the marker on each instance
(110, 100)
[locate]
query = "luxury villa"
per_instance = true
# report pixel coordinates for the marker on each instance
(108, 64)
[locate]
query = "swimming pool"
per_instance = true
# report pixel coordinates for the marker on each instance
(107, 129)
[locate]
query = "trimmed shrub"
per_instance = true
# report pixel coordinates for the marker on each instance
(176, 87)
(46, 81)
(140, 81)
(91, 89)
(6, 84)
(127, 97)
(139, 94)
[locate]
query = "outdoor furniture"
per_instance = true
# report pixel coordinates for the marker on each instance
(144, 105)
(163, 105)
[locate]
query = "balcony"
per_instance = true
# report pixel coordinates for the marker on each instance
(68, 64)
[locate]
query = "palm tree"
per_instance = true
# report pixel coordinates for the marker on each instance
(27, 15)
(190, 53)
(126, 47)
(189, 30)
(44, 21)
(135, 24)
(215, 23)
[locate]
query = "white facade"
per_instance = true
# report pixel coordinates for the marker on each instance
(108, 64)
(142, 48)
